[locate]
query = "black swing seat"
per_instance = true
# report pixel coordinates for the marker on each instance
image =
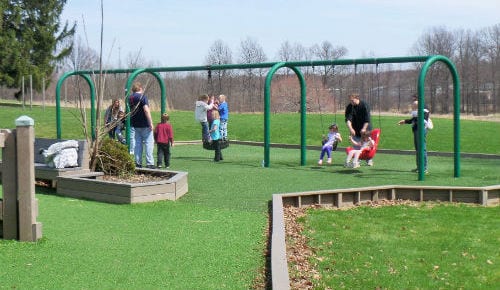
(224, 143)
(334, 145)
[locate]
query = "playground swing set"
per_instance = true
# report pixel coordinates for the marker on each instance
(272, 67)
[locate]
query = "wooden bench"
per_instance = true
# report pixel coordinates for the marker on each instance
(44, 172)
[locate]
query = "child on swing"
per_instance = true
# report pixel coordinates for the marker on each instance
(366, 142)
(200, 114)
(328, 142)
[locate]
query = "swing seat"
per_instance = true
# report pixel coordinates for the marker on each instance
(224, 143)
(368, 153)
(334, 145)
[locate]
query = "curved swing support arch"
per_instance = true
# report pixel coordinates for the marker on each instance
(89, 81)
(267, 112)
(456, 112)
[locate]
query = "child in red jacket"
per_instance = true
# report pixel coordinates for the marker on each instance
(164, 139)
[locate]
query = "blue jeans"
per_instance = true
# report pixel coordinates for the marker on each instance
(144, 138)
(131, 147)
(223, 128)
(205, 136)
(415, 142)
(326, 149)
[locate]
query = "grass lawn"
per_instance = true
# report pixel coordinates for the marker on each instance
(215, 236)
(424, 246)
(476, 136)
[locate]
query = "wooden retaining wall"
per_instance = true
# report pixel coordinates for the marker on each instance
(91, 186)
(486, 196)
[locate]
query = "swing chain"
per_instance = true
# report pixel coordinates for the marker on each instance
(378, 94)
(209, 79)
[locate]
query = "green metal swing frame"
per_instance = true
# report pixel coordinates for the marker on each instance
(273, 67)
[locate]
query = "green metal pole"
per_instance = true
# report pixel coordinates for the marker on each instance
(456, 116)
(456, 112)
(404, 59)
(163, 97)
(58, 100)
(58, 103)
(303, 111)
(267, 112)
(163, 94)
(92, 109)
(420, 128)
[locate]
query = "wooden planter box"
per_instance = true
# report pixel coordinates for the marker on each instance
(91, 186)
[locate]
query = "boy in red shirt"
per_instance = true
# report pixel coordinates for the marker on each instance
(164, 139)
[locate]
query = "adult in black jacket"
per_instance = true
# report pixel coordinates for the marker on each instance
(357, 118)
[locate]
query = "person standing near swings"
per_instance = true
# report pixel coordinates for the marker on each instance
(111, 117)
(215, 135)
(200, 114)
(358, 119)
(164, 138)
(414, 127)
(224, 116)
(140, 120)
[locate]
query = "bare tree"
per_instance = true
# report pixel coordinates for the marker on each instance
(292, 52)
(469, 55)
(82, 57)
(219, 53)
(135, 59)
(299, 52)
(437, 40)
(492, 48)
(285, 53)
(326, 51)
(252, 52)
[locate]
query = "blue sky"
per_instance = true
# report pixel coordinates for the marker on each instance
(180, 32)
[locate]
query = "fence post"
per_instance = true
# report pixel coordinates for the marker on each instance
(9, 178)
(29, 229)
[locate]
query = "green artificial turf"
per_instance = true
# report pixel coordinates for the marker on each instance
(214, 237)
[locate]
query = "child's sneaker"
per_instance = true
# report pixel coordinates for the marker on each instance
(347, 164)
(355, 165)
(329, 161)
(320, 162)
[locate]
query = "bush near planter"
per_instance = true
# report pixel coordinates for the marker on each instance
(114, 159)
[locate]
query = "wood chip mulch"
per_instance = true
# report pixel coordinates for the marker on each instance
(136, 178)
